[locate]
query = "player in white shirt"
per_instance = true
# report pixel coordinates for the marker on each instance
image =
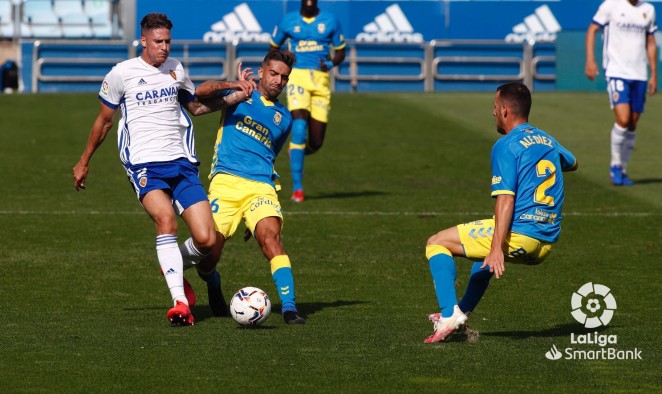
(629, 49)
(156, 147)
(153, 126)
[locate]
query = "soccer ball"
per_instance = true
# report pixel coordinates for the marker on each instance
(250, 306)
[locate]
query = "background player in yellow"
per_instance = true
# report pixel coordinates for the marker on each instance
(312, 32)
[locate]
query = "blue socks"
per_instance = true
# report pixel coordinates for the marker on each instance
(444, 273)
(213, 279)
(297, 152)
(281, 271)
(478, 282)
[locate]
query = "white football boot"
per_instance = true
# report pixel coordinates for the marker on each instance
(444, 327)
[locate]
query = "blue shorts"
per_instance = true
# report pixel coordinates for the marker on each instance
(627, 91)
(178, 178)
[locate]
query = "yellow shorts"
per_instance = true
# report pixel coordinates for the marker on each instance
(310, 90)
(233, 198)
(476, 238)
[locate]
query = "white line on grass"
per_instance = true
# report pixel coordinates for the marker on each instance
(344, 213)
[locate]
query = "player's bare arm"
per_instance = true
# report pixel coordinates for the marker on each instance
(338, 57)
(503, 215)
(209, 89)
(591, 70)
(205, 93)
(102, 124)
(651, 52)
(206, 101)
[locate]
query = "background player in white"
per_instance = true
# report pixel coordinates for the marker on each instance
(629, 44)
(156, 146)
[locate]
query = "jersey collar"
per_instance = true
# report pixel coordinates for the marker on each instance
(264, 100)
(522, 126)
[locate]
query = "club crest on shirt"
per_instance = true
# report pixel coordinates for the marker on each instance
(321, 28)
(645, 15)
(277, 118)
(297, 29)
(172, 74)
(143, 181)
(104, 87)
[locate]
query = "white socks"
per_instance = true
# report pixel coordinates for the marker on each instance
(617, 139)
(622, 145)
(627, 148)
(171, 263)
(190, 254)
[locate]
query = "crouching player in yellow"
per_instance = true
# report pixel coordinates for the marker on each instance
(243, 180)
(527, 182)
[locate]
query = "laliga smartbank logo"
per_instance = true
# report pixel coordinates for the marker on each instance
(593, 306)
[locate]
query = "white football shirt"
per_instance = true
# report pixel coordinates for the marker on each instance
(153, 127)
(626, 27)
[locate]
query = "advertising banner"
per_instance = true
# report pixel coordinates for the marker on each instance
(380, 21)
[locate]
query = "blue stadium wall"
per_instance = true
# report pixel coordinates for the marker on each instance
(424, 20)
(431, 19)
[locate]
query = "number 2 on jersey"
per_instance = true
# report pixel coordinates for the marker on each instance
(541, 170)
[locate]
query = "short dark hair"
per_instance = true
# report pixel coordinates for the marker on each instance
(286, 57)
(155, 20)
(303, 3)
(517, 96)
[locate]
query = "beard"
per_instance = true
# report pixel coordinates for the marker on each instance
(273, 93)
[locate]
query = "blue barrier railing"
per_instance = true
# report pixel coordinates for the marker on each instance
(439, 65)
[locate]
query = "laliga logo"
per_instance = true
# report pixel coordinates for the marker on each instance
(593, 305)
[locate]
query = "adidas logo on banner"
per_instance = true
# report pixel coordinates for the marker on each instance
(391, 26)
(541, 26)
(240, 25)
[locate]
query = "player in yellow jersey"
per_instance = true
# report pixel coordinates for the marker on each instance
(527, 183)
(243, 181)
(311, 34)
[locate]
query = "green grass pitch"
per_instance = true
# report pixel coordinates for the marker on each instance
(84, 305)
